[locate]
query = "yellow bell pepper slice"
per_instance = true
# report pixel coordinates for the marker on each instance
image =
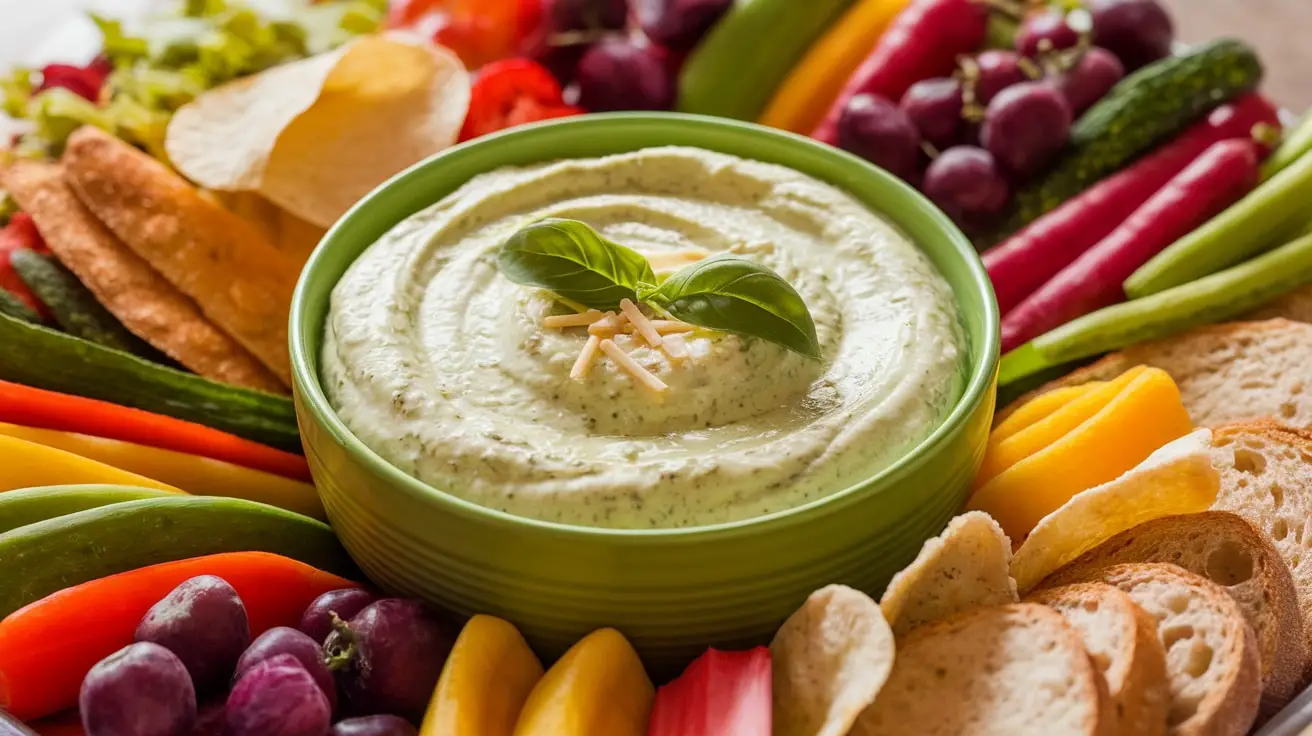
(26, 464)
(598, 688)
(201, 476)
(1139, 416)
(815, 82)
(487, 678)
(1039, 407)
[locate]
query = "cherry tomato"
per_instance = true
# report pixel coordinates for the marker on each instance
(513, 92)
(478, 31)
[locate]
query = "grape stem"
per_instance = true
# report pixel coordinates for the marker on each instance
(340, 648)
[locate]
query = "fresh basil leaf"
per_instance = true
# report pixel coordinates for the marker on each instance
(571, 259)
(733, 294)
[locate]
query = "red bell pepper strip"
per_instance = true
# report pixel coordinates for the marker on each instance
(20, 234)
(1031, 257)
(513, 92)
(720, 694)
(47, 647)
(924, 41)
(1217, 179)
(41, 409)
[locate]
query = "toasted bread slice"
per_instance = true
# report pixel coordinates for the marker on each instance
(1121, 638)
(1212, 667)
(1228, 550)
(1266, 477)
(1006, 670)
(1226, 373)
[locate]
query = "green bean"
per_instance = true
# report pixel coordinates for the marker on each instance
(1220, 296)
(1252, 225)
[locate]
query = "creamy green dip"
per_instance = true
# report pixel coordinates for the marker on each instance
(442, 366)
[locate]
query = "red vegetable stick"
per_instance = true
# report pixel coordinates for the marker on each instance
(1216, 180)
(48, 646)
(720, 694)
(1034, 255)
(41, 409)
(924, 41)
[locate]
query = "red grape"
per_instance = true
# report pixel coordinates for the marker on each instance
(678, 24)
(966, 183)
(277, 697)
(141, 690)
(1045, 31)
(934, 106)
(618, 74)
(286, 640)
(881, 133)
(388, 658)
(317, 621)
(1025, 127)
(204, 623)
(996, 70)
(379, 725)
(1137, 31)
(584, 15)
(1092, 77)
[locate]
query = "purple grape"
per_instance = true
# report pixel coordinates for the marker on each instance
(1139, 32)
(561, 60)
(997, 70)
(678, 24)
(142, 689)
(934, 106)
(380, 725)
(202, 621)
(1044, 32)
(1025, 127)
(286, 640)
(210, 719)
(617, 74)
(1093, 76)
(388, 658)
(586, 15)
(277, 697)
(317, 621)
(966, 183)
(881, 133)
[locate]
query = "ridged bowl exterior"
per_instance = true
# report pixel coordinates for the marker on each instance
(672, 592)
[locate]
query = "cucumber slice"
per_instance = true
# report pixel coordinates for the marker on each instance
(32, 505)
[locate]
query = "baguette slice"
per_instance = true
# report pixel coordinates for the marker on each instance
(1212, 665)
(1266, 477)
(1006, 670)
(1121, 638)
(1228, 550)
(1227, 373)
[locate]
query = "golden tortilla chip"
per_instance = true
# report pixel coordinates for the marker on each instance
(252, 208)
(831, 658)
(298, 238)
(147, 304)
(1176, 479)
(967, 566)
(241, 282)
(316, 135)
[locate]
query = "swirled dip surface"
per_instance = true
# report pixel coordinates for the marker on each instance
(441, 365)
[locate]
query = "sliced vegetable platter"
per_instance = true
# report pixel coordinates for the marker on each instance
(153, 503)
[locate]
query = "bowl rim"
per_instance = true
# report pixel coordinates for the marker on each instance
(308, 390)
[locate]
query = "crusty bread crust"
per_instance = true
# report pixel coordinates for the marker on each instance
(1136, 685)
(1261, 584)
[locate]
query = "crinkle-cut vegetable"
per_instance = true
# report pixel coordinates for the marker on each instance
(487, 678)
(1091, 440)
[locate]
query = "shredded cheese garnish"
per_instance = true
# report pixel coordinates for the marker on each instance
(665, 326)
(675, 347)
(583, 365)
(607, 325)
(641, 323)
(632, 367)
(561, 321)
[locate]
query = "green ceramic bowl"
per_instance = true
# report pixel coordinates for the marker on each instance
(672, 592)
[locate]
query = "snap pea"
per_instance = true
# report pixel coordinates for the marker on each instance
(1250, 226)
(1297, 142)
(1220, 296)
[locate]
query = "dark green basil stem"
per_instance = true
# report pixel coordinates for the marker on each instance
(724, 292)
